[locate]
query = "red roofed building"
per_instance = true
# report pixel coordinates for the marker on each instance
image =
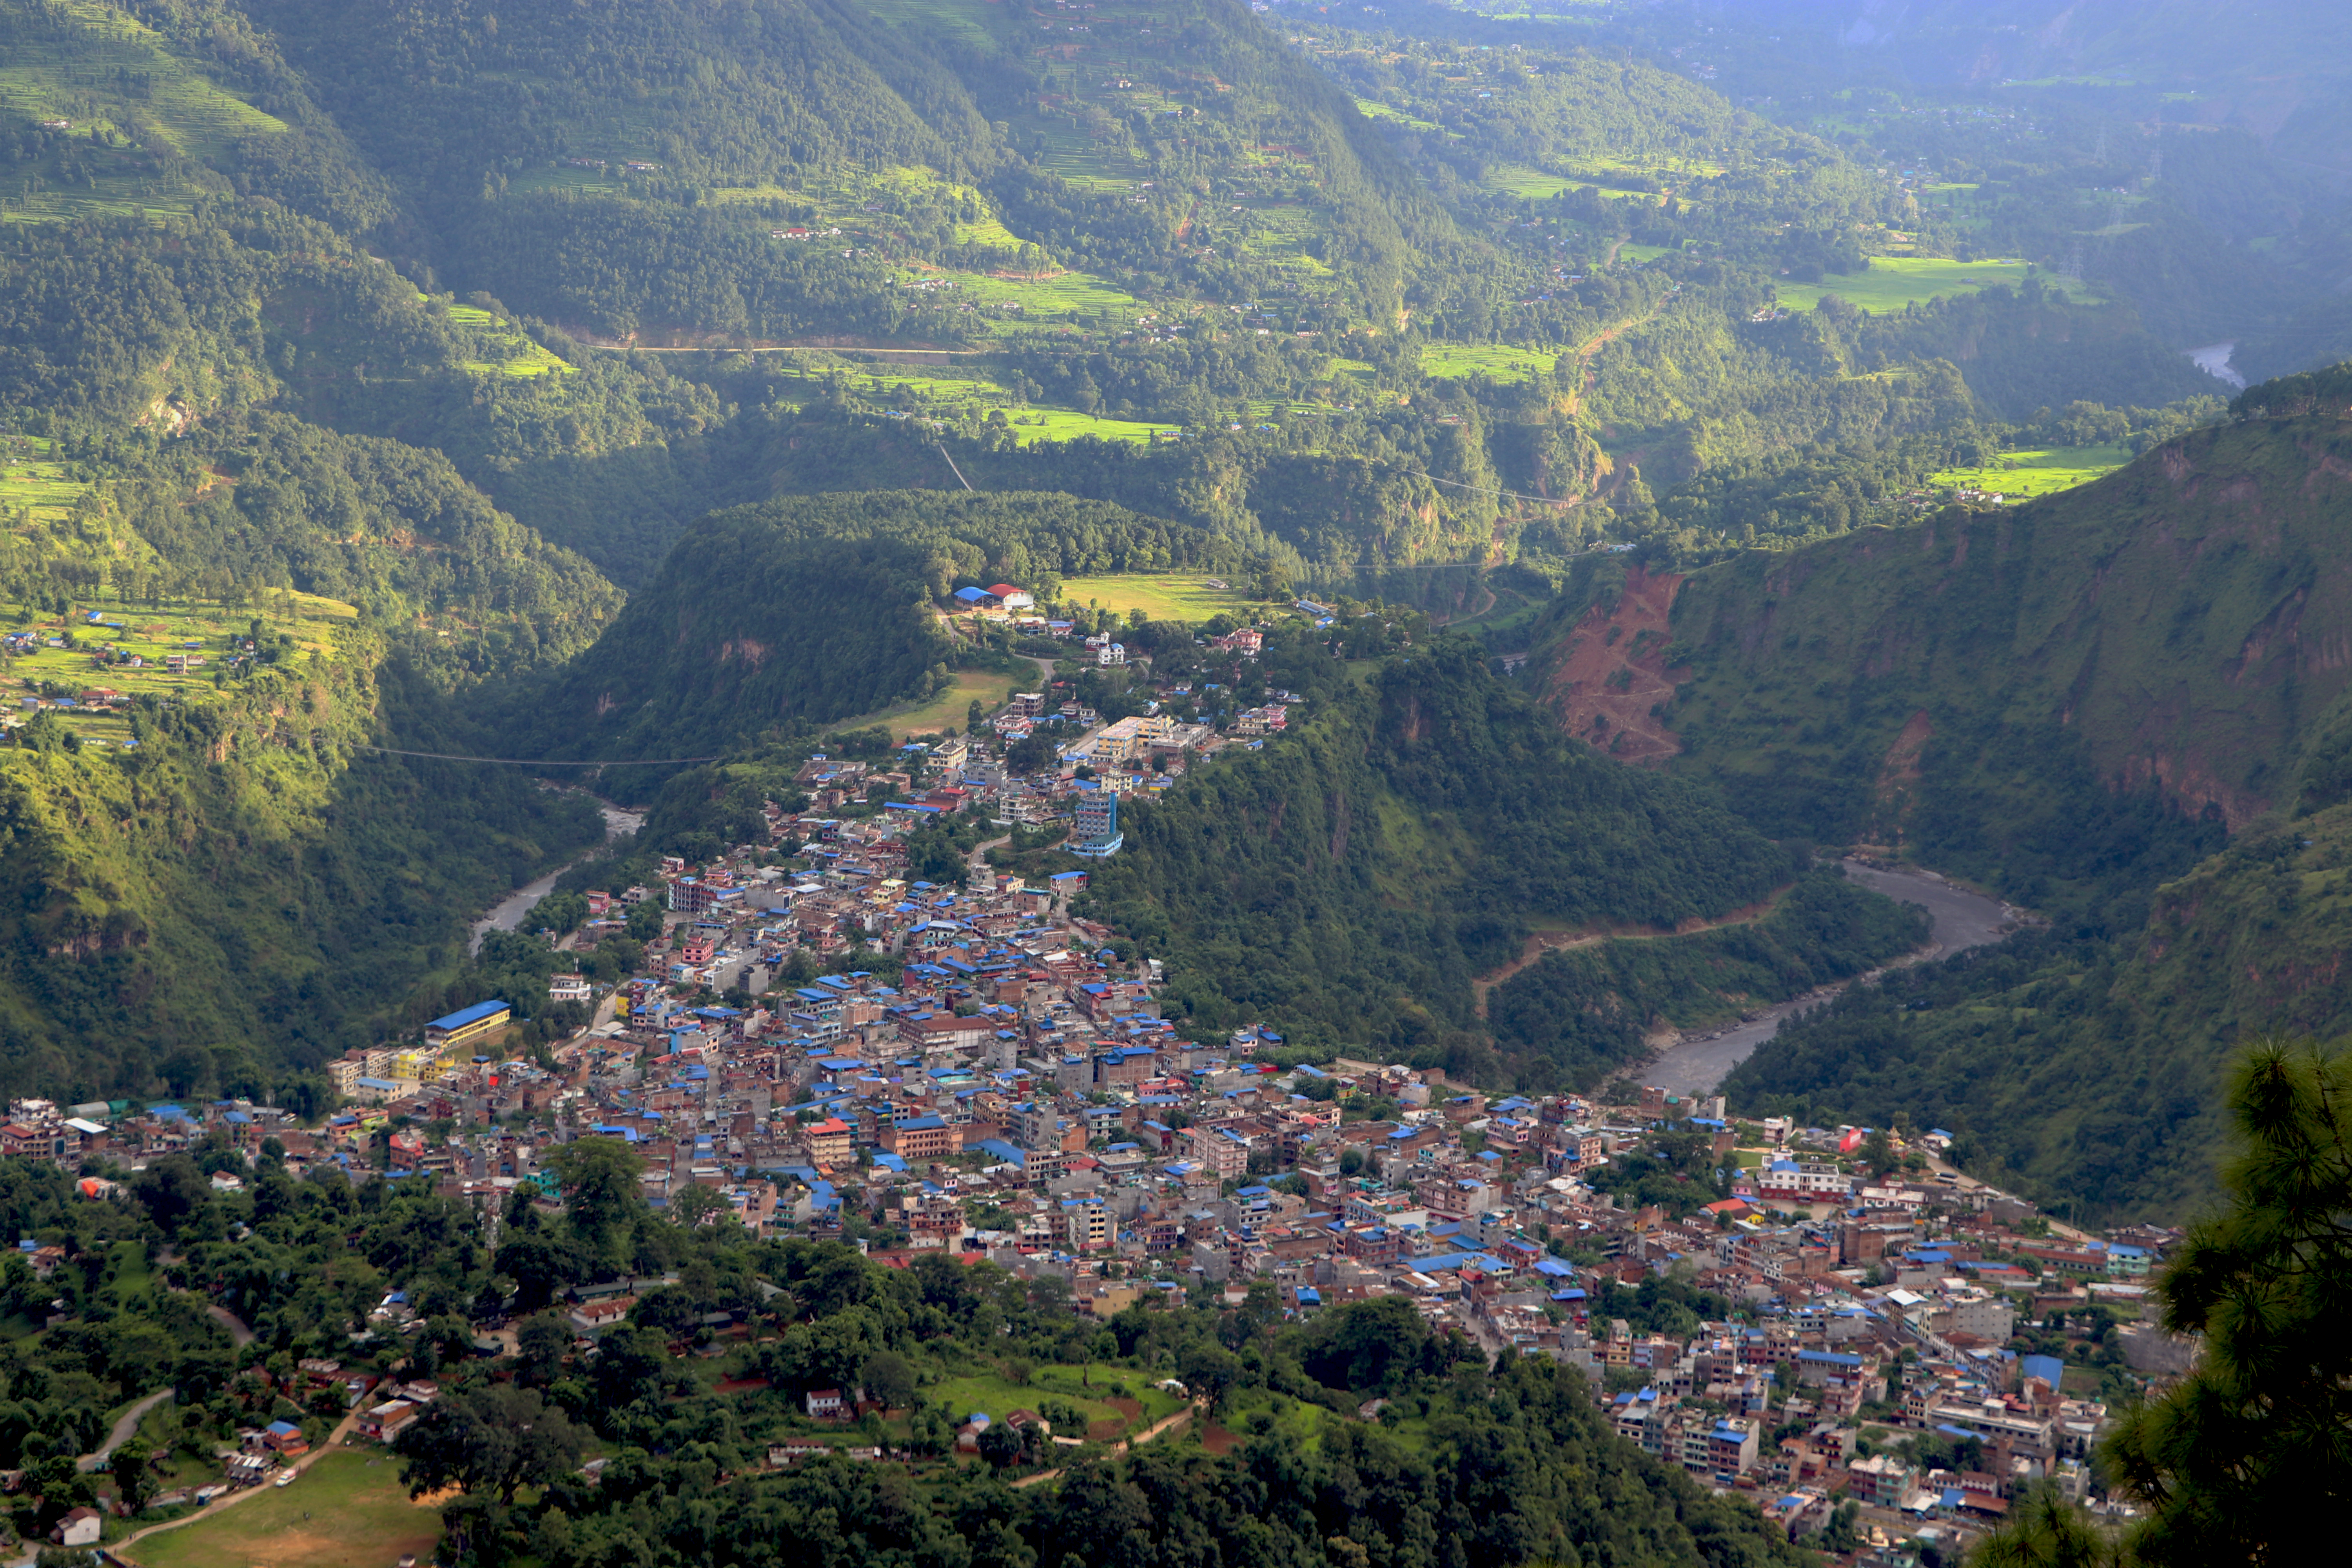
(829, 1140)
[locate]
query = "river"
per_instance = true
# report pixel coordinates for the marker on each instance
(1696, 1064)
(508, 912)
(2214, 359)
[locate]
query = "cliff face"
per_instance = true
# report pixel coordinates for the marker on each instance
(1607, 677)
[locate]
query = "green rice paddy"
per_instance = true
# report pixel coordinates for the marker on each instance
(37, 481)
(150, 633)
(527, 358)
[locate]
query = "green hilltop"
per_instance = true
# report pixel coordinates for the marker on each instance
(802, 612)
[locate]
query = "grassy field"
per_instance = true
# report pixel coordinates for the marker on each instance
(2038, 473)
(349, 1510)
(1162, 598)
(945, 711)
(1066, 294)
(1063, 425)
(1632, 252)
(1373, 109)
(1512, 179)
(1534, 185)
(1894, 281)
(1262, 1410)
(946, 397)
(1501, 361)
(1081, 1387)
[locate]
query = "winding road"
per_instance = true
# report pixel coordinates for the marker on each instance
(120, 1433)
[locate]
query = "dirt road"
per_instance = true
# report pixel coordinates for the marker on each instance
(1168, 1424)
(122, 1549)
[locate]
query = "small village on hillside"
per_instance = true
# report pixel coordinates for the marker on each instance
(1829, 1318)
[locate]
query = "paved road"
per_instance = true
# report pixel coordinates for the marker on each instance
(120, 1433)
(1962, 919)
(239, 1335)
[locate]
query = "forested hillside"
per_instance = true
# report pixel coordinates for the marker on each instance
(2073, 701)
(212, 885)
(239, 891)
(1965, 686)
(1348, 883)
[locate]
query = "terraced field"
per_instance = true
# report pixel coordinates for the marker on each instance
(74, 74)
(1503, 362)
(72, 656)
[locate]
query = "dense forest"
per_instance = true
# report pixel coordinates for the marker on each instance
(2087, 719)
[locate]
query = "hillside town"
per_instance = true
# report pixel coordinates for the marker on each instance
(1831, 1319)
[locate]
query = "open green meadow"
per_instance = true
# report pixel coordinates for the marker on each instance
(1162, 598)
(935, 393)
(1891, 282)
(1048, 298)
(1087, 1389)
(348, 1510)
(945, 710)
(2037, 473)
(1050, 425)
(1372, 110)
(1531, 184)
(1064, 425)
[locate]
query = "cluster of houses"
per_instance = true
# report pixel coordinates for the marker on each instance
(1016, 1095)
(1007, 1087)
